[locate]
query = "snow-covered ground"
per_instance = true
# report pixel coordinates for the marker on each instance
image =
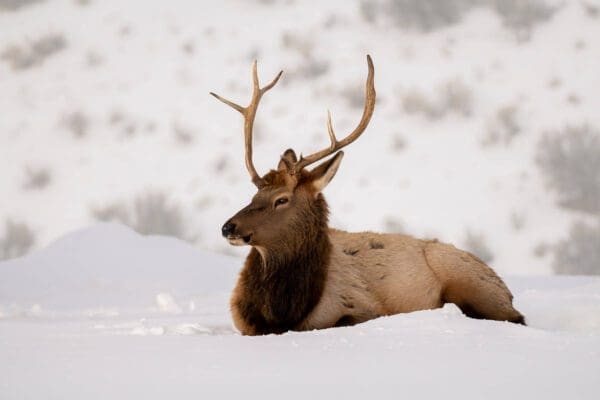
(107, 313)
(105, 115)
(486, 134)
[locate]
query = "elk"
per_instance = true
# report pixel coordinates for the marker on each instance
(302, 275)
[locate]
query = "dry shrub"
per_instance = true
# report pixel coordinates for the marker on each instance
(21, 58)
(77, 122)
(570, 162)
(477, 244)
(15, 5)
(579, 253)
(419, 15)
(503, 127)
(453, 97)
(36, 178)
(519, 16)
(149, 214)
(17, 240)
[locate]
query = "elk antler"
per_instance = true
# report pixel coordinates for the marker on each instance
(249, 114)
(362, 125)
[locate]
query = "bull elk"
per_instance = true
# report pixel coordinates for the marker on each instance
(301, 275)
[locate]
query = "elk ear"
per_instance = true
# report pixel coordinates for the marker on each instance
(324, 173)
(287, 160)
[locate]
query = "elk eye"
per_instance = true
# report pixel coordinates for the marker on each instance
(280, 201)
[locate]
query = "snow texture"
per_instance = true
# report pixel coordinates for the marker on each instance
(107, 313)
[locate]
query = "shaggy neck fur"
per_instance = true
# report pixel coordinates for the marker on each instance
(284, 286)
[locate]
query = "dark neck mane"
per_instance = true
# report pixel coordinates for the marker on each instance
(284, 286)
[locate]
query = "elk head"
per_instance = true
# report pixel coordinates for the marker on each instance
(289, 198)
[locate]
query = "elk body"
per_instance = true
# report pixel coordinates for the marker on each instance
(300, 274)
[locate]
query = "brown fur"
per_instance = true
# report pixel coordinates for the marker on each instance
(302, 275)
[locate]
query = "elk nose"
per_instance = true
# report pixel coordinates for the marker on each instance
(228, 228)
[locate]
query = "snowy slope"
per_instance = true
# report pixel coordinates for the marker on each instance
(109, 266)
(106, 313)
(105, 104)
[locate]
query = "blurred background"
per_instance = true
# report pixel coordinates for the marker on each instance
(486, 132)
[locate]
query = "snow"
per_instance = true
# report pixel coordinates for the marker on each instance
(107, 313)
(104, 313)
(103, 274)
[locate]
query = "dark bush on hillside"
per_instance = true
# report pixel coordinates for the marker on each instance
(570, 163)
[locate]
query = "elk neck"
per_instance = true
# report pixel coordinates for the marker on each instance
(289, 275)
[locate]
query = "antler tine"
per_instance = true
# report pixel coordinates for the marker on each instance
(362, 125)
(229, 103)
(249, 114)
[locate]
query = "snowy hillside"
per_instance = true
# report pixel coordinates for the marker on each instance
(106, 313)
(485, 134)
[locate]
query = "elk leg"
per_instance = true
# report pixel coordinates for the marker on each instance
(472, 285)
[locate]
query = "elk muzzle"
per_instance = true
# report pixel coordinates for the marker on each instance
(231, 233)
